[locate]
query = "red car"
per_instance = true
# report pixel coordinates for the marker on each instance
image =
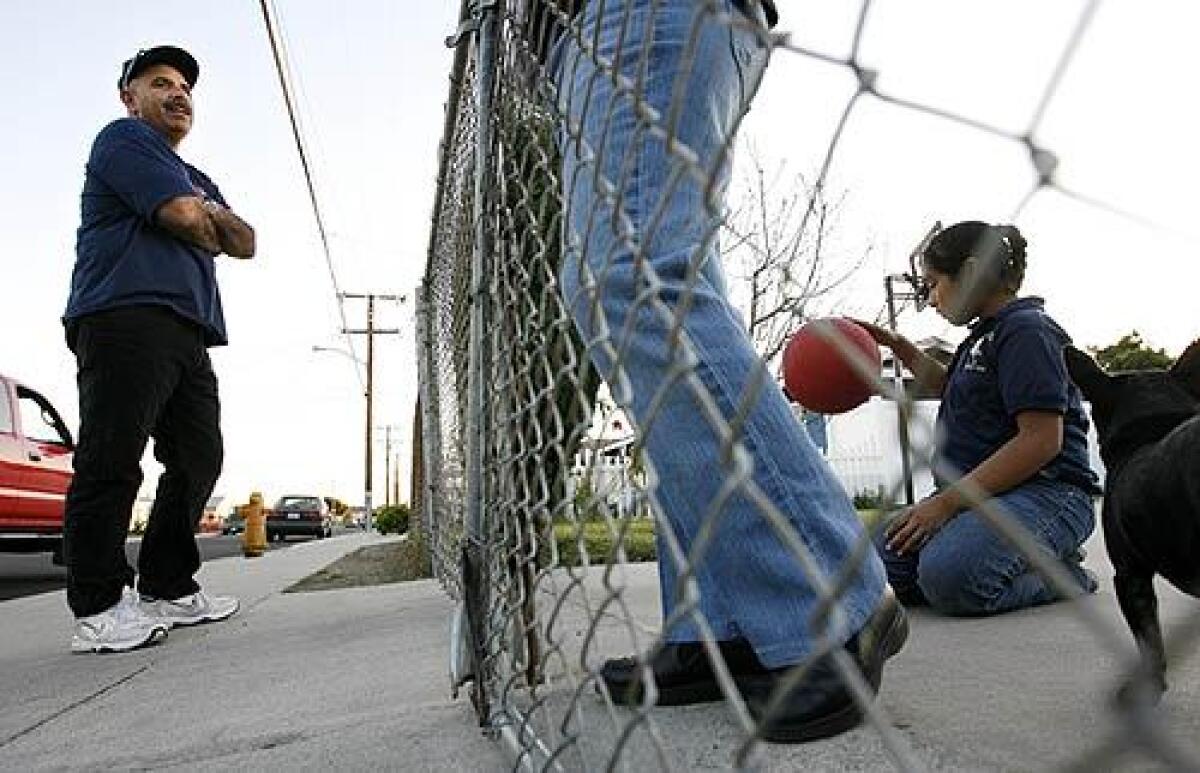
(35, 470)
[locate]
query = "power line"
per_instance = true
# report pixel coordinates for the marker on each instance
(280, 55)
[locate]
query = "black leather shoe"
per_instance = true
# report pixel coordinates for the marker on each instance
(682, 673)
(821, 706)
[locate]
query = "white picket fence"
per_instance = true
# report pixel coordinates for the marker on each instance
(864, 447)
(863, 450)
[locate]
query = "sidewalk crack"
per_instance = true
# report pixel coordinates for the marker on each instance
(72, 706)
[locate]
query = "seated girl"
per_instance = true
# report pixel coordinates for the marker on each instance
(1010, 424)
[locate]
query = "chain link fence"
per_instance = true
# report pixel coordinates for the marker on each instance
(536, 229)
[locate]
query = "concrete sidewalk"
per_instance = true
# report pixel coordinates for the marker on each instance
(1030, 690)
(356, 679)
(350, 679)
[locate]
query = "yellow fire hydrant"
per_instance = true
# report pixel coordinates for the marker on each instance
(254, 537)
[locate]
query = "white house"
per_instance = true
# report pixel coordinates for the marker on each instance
(605, 460)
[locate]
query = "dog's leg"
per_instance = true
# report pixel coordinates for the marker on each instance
(1135, 593)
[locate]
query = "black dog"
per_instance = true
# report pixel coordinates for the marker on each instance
(1149, 427)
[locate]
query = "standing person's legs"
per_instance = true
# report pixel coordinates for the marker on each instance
(126, 374)
(187, 441)
(968, 568)
(642, 278)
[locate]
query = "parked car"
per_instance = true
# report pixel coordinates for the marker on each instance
(210, 523)
(36, 450)
(303, 514)
(233, 525)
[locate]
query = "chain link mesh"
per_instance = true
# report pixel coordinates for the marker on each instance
(544, 611)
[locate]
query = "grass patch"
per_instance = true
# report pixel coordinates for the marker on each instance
(871, 518)
(399, 561)
(390, 562)
(597, 538)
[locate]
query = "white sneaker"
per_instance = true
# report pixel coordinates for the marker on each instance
(191, 610)
(120, 628)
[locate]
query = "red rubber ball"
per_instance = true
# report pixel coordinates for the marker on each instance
(816, 372)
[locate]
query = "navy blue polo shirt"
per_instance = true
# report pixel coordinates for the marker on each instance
(122, 257)
(1010, 363)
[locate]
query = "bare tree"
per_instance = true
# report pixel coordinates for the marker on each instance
(779, 260)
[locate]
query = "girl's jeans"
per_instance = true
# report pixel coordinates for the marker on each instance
(967, 568)
(645, 168)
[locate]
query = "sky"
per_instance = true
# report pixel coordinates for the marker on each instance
(373, 79)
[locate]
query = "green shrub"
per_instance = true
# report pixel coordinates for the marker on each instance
(868, 499)
(872, 519)
(587, 506)
(392, 519)
(639, 544)
(598, 537)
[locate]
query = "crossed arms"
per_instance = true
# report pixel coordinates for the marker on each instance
(208, 225)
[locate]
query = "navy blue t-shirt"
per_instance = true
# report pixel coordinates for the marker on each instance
(1010, 363)
(122, 257)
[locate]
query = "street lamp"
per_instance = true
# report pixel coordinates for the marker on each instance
(342, 352)
(367, 463)
(889, 283)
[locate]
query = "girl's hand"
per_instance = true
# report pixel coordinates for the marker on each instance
(912, 530)
(882, 335)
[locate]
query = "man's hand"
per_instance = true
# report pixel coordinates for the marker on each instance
(910, 531)
(208, 225)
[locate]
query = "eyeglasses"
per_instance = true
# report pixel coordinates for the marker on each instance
(921, 288)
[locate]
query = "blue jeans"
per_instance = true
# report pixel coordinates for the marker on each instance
(642, 278)
(967, 568)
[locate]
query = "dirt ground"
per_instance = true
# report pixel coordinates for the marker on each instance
(372, 565)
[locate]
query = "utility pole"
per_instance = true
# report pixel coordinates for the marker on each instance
(370, 332)
(387, 467)
(396, 481)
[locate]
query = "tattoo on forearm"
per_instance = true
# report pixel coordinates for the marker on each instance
(234, 235)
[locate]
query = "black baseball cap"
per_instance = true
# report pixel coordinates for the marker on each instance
(147, 57)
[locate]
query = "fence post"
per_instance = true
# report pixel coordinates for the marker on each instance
(475, 573)
(427, 432)
(479, 360)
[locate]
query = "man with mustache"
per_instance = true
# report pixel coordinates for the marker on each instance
(144, 307)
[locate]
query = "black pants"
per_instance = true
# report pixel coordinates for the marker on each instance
(143, 372)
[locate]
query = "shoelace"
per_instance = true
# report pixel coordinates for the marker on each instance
(123, 609)
(129, 609)
(197, 602)
(96, 628)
